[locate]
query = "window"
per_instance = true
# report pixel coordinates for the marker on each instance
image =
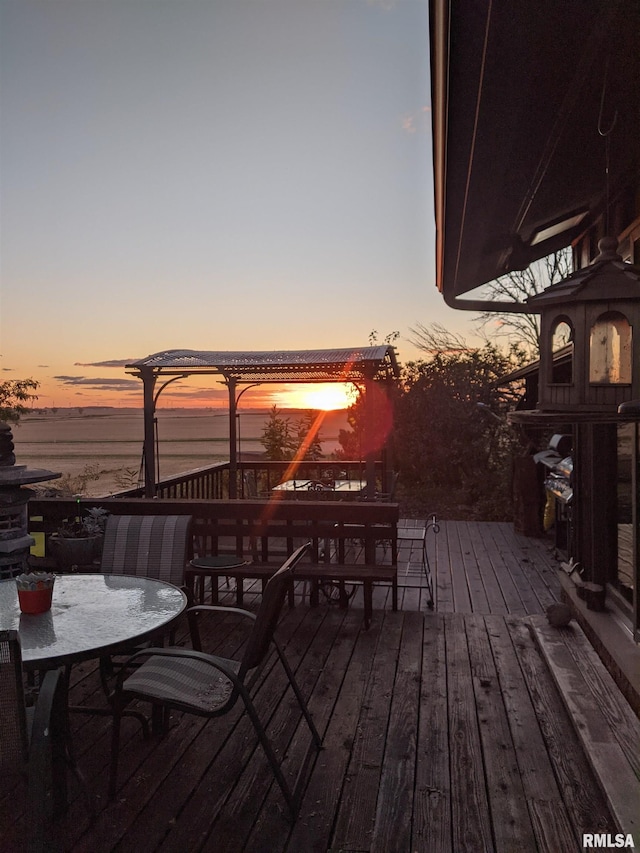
(610, 350)
(561, 362)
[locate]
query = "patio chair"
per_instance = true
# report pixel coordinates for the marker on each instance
(209, 686)
(390, 495)
(250, 485)
(418, 534)
(152, 546)
(33, 740)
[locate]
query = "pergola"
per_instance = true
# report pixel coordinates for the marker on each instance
(241, 370)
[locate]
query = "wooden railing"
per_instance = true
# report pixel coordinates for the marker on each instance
(267, 474)
(227, 526)
(208, 483)
(212, 482)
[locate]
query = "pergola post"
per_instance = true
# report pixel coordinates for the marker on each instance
(233, 439)
(149, 453)
(369, 443)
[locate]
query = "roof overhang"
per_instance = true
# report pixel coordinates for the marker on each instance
(521, 93)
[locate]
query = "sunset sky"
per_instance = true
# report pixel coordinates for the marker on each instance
(210, 174)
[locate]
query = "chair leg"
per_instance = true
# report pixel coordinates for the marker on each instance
(368, 603)
(427, 571)
(292, 797)
(115, 748)
(269, 752)
(298, 693)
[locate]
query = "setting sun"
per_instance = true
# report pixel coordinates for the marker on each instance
(326, 396)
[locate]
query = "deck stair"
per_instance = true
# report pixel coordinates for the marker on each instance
(604, 721)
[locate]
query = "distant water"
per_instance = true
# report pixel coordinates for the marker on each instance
(99, 450)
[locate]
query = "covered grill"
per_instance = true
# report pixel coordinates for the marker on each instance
(560, 480)
(558, 483)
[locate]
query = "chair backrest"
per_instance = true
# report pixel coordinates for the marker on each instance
(250, 485)
(153, 546)
(389, 496)
(394, 485)
(13, 718)
(269, 611)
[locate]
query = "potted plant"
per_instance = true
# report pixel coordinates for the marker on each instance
(79, 542)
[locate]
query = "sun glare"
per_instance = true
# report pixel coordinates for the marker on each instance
(326, 397)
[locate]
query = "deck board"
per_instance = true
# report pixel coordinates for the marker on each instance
(586, 808)
(432, 794)
(443, 731)
(510, 817)
(606, 735)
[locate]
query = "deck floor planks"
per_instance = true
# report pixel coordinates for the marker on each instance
(237, 810)
(470, 809)
(314, 827)
(470, 566)
(551, 826)
(495, 602)
(441, 566)
(356, 813)
(536, 567)
(510, 818)
(460, 600)
(235, 824)
(166, 776)
(432, 796)
(392, 829)
(273, 823)
(461, 736)
(500, 556)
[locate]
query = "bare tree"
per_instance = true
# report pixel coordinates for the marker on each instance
(434, 338)
(450, 348)
(523, 329)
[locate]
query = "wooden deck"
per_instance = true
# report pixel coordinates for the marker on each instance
(443, 731)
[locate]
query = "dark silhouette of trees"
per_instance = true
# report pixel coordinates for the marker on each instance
(15, 394)
(450, 434)
(283, 440)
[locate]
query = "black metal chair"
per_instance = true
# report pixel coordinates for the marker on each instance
(208, 685)
(34, 740)
(152, 546)
(417, 533)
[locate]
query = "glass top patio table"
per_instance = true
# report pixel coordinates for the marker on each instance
(90, 615)
(303, 485)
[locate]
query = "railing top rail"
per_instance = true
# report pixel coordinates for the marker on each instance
(348, 511)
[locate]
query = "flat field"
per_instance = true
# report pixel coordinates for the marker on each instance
(99, 450)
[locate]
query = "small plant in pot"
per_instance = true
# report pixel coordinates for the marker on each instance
(79, 542)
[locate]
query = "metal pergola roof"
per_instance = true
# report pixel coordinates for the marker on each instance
(353, 364)
(360, 365)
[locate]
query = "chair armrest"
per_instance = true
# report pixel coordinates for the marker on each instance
(221, 609)
(210, 608)
(47, 750)
(188, 592)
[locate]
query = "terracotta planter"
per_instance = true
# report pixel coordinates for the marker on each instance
(70, 554)
(35, 600)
